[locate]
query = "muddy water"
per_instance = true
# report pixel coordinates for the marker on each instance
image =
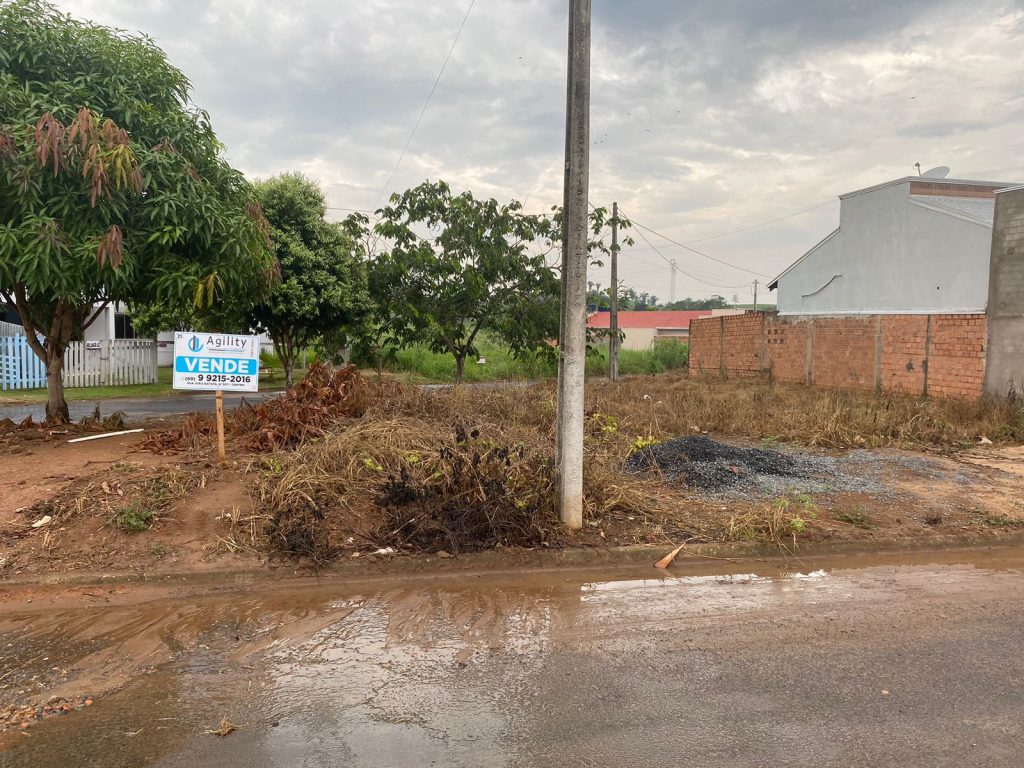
(754, 663)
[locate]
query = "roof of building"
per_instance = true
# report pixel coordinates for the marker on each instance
(930, 181)
(979, 209)
(652, 319)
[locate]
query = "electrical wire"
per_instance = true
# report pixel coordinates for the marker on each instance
(671, 263)
(423, 111)
(688, 248)
(765, 223)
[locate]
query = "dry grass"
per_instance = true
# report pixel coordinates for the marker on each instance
(131, 499)
(674, 405)
(473, 467)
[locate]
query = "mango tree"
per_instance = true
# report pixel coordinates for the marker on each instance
(112, 186)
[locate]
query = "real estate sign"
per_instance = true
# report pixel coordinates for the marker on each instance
(212, 361)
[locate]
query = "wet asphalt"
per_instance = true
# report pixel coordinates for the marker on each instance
(136, 408)
(904, 660)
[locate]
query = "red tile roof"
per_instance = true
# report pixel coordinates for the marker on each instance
(655, 319)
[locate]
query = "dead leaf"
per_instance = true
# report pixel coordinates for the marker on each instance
(666, 561)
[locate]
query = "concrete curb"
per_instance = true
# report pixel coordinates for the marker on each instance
(372, 568)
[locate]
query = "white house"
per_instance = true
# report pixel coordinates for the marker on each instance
(916, 245)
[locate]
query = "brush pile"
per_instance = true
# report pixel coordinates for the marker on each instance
(322, 399)
(458, 470)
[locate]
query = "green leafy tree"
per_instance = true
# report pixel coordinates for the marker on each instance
(321, 294)
(112, 187)
(714, 302)
(458, 265)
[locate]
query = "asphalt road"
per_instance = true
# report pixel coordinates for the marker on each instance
(135, 408)
(845, 663)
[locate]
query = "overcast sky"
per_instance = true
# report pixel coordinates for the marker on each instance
(708, 116)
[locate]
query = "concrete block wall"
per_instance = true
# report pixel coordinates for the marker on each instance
(1005, 369)
(942, 355)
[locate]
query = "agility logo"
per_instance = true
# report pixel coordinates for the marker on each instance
(195, 345)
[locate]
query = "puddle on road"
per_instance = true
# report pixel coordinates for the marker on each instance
(389, 673)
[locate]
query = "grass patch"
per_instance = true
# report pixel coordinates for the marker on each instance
(419, 364)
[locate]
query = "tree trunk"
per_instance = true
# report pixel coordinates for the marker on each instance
(285, 348)
(56, 406)
(460, 367)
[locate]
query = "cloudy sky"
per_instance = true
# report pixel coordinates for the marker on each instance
(708, 116)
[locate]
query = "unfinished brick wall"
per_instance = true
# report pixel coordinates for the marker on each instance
(940, 355)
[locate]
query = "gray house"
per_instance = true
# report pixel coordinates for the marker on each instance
(915, 245)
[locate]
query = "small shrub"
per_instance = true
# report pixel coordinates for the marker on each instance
(134, 518)
(269, 359)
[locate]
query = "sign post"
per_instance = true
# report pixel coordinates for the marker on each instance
(220, 362)
(219, 396)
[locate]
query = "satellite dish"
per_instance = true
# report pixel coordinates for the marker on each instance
(940, 172)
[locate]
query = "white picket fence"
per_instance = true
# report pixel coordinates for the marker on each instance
(19, 366)
(86, 363)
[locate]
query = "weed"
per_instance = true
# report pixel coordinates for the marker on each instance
(643, 442)
(857, 518)
(156, 550)
(775, 523)
(134, 518)
(769, 442)
(125, 466)
(1001, 521)
(603, 424)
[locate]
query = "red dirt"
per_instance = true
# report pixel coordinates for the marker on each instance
(977, 493)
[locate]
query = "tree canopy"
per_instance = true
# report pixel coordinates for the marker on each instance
(322, 290)
(112, 186)
(457, 265)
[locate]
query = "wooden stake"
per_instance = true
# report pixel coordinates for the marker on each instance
(220, 425)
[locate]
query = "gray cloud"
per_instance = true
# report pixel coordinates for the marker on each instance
(708, 116)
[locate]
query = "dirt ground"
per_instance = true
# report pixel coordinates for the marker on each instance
(210, 522)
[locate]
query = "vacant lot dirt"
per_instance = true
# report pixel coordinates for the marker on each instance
(208, 520)
(185, 538)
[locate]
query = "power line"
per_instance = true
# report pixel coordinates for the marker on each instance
(761, 224)
(764, 223)
(692, 250)
(433, 88)
(671, 263)
(353, 210)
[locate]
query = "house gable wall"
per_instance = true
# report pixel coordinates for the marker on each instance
(892, 256)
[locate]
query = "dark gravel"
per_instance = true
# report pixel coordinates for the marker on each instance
(719, 469)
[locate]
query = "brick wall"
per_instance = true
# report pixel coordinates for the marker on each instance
(940, 355)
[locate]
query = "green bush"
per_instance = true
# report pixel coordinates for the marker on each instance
(269, 359)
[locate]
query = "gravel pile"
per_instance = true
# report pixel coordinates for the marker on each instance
(718, 469)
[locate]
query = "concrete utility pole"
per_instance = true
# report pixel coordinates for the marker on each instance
(613, 324)
(672, 284)
(755, 295)
(572, 338)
